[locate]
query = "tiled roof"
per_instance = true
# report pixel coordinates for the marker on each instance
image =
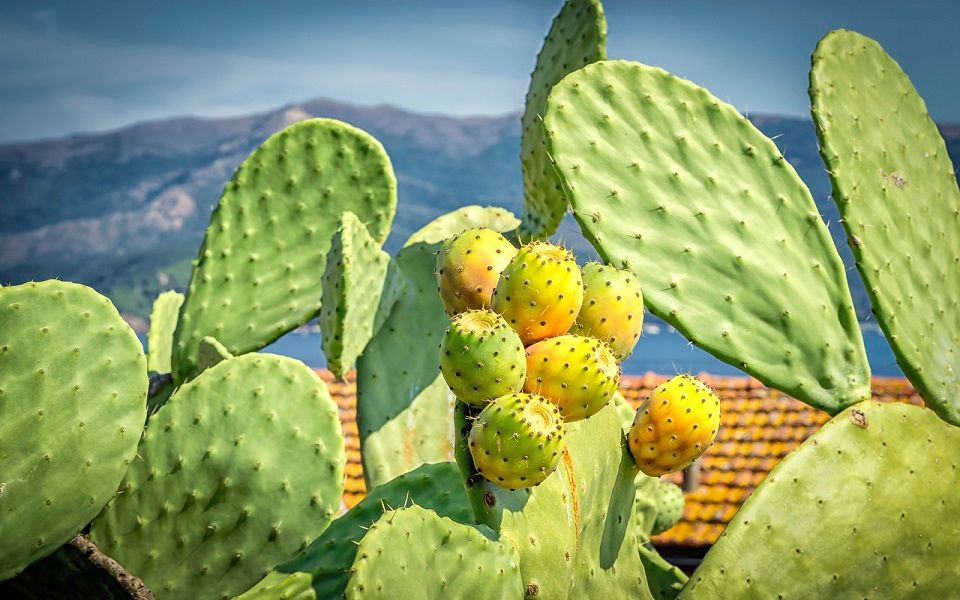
(760, 426)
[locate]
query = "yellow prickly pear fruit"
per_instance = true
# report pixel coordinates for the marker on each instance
(612, 307)
(539, 292)
(469, 266)
(674, 426)
(579, 374)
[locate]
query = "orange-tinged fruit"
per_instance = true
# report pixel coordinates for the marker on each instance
(674, 426)
(540, 292)
(579, 374)
(469, 266)
(612, 307)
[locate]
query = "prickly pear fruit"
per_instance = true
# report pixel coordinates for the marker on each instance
(516, 440)
(540, 292)
(579, 374)
(612, 307)
(674, 426)
(481, 357)
(469, 266)
(669, 498)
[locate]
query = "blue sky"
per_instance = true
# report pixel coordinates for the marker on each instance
(72, 66)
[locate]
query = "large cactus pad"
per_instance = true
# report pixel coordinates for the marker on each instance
(867, 507)
(258, 273)
(897, 192)
(577, 37)
(73, 388)
(239, 470)
(675, 185)
(404, 408)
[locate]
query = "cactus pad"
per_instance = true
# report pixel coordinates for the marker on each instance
(612, 308)
(578, 36)
(257, 272)
(73, 388)
(516, 440)
(897, 192)
(674, 426)
(539, 292)
(211, 352)
(675, 185)
(324, 567)
(398, 381)
(469, 266)
(414, 553)
(163, 322)
(239, 470)
(579, 374)
(354, 282)
(866, 507)
(481, 357)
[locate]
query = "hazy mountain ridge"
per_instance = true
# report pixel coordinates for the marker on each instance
(124, 211)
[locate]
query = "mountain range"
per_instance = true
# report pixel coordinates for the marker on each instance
(124, 211)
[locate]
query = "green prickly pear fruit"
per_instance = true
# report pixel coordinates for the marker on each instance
(669, 498)
(579, 374)
(674, 426)
(612, 307)
(481, 357)
(516, 440)
(540, 292)
(469, 266)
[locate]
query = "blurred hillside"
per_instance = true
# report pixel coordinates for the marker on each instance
(125, 211)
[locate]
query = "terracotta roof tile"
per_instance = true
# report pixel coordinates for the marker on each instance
(760, 426)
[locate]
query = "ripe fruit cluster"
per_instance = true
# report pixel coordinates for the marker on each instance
(535, 341)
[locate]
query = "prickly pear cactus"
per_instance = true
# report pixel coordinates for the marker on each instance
(242, 468)
(578, 36)
(73, 386)
(574, 531)
(469, 266)
(404, 408)
(669, 499)
(612, 308)
(481, 357)
(675, 185)
(579, 374)
(323, 569)
(163, 322)
(354, 283)
(447, 559)
(539, 292)
(256, 275)
(210, 352)
(866, 507)
(516, 440)
(897, 193)
(674, 426)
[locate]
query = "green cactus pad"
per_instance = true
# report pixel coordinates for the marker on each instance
(403, 405)
(211, 352)
(516, 440)
(239, 470)
(579, 374)
(574, 531)
(322, 570)
(414, 553)
(675, 185)
(866, 507)
(665, 580)
(577, 37)
(163, 322)
(73, 388)
(669, 498)
(612, 308)
(257, 274)
(481, 357)
(897, 193)
(539, 292)
(353, 284)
